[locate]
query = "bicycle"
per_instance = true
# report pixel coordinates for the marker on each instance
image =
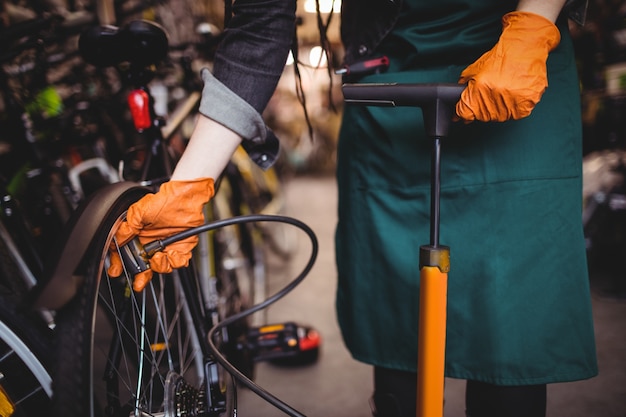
(191, 382)
(41, 176)
(157, 339)
(163, 329)
(25, 336)
(28, 225)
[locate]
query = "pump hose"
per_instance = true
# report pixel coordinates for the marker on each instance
(155, 246)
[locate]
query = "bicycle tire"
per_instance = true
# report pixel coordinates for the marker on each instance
(260, 191)
(25, 347)
(244, 243)
(237, 277)
(149, 331)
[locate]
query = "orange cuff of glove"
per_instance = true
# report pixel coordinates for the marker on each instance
(509, 80)
(177, 206)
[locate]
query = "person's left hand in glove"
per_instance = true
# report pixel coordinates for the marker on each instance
(508, 81)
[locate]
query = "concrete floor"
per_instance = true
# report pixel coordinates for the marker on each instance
(339, 386)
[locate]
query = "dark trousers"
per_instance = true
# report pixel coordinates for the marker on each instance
(395, 396)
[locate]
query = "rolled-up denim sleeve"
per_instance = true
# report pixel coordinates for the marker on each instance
(249, 62)
(221, 104)
(251, 56)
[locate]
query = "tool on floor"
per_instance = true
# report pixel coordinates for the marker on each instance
(288, 344)
(437, 103)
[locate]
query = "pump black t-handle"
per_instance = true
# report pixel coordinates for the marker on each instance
(437, 102)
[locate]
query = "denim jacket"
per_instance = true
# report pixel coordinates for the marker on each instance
(247, 66)
(365, 23)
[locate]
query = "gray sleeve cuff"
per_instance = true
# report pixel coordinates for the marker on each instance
(220, 104)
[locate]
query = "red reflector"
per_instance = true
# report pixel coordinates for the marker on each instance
(139, 104)
(311, 341)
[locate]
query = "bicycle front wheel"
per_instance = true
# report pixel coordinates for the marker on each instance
(122, 353)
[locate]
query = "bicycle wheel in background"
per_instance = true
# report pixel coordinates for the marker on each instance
(261, 192)
(240, 277)
(122, 353)
(242, 251)
(25, 353)
(25, 345)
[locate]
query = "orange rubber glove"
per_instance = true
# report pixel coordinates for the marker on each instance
(177, 206)
(509, 80)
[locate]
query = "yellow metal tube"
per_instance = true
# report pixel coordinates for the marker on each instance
(432, 341)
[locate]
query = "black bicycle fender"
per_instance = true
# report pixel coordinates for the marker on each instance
(60, 284)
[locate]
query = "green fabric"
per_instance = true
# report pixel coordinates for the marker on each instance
(444, 32)
(518, 297)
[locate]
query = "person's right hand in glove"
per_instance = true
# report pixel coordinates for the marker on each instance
(177, 206)
(508, 81)
(179, 203)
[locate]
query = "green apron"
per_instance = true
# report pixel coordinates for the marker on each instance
(518, 295)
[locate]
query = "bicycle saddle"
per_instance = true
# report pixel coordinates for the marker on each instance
(139, 42)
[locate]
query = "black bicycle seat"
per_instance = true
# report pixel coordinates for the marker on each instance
(140, 42)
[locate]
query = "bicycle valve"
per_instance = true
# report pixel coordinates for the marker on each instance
(134, 257)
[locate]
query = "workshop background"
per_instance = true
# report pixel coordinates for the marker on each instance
(335, 384)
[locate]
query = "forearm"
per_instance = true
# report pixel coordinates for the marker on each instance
(248, 64)
(224, 120)
(549, 9)
(209, 149)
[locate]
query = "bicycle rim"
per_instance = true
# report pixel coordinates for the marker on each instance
(25, 382)
(229, 269)
(241, 250)
(137, 348)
